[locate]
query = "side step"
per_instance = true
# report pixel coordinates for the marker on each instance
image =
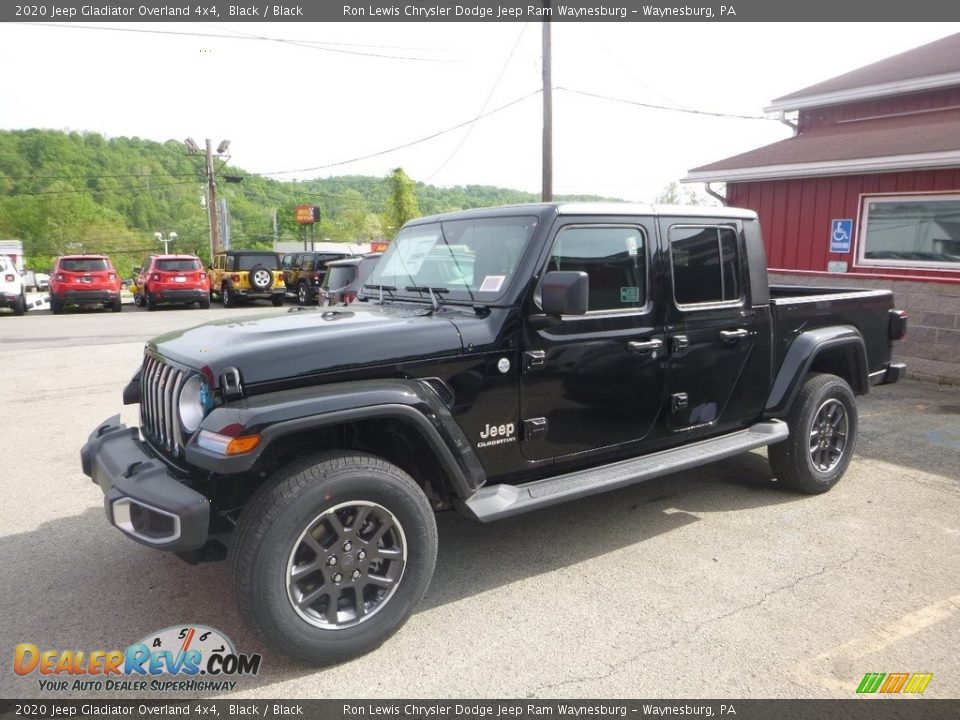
(500, 501)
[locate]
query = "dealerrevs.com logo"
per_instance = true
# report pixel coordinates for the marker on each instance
(183, 658)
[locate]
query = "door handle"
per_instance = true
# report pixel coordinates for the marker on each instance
(644, 346)
(732, 336)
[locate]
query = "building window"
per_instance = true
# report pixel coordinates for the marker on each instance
(706, 268)
(911, 231)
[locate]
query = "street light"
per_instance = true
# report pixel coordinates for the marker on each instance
(171, 236)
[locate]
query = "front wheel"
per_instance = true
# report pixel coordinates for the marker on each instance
(228, 296)
(823, 435)
(332, 556)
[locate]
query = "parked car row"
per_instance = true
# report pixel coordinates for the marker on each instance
(236, 276)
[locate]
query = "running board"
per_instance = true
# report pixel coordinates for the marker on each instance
(500, 501)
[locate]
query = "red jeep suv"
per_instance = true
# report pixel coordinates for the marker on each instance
(84, 280)
(173, 279)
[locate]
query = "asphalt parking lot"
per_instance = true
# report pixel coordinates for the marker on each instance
(710, 583)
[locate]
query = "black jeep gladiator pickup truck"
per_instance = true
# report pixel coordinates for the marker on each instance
(498, 361)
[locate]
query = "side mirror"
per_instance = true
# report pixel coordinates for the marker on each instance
(565, 292)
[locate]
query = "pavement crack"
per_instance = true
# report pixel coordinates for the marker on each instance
(612, 668)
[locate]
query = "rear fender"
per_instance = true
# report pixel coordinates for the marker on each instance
(842, 340)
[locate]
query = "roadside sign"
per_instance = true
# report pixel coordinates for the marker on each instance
(840, 233)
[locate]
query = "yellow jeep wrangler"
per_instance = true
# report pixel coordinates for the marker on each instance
(247, 275)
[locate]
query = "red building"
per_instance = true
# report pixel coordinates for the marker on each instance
(867, 192)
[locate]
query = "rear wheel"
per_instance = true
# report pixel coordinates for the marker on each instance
(823, 435)
(204, 302)
(56, 307)
(303, 294)
(277, 300)
(229, 297)
(20, 304)
(332, 556)
(116, 305)
(150, 301)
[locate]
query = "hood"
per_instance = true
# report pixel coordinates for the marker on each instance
(292, 344)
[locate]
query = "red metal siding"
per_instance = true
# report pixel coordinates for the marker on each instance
(931, 99)
(795, 215)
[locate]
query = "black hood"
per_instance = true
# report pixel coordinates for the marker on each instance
(297, 343)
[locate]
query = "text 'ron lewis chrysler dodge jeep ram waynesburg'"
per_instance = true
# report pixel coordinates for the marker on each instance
(498, 361)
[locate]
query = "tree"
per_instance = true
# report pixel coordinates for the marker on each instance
(673, 194)
(401, 202)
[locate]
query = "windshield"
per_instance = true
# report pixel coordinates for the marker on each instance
(471, 260)
(184, 265)
(248, 262)
(84, 265)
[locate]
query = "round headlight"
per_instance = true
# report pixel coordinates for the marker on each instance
(192, 404)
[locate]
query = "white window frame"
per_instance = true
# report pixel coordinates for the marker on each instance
(863, 221)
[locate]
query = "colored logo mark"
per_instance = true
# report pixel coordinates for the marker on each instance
(914, 683)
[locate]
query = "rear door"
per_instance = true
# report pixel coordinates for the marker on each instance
(595, 381)
(712, 329)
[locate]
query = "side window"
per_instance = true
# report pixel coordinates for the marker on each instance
(306, 263)
(706, 264)
(614, 258)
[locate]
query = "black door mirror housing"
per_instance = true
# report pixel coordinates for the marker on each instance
(565, 292)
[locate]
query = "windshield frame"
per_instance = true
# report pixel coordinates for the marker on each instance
(454, 247)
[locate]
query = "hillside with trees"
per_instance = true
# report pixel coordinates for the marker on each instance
(81, 192)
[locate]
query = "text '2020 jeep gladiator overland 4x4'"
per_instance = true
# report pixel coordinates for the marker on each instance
(560, 351)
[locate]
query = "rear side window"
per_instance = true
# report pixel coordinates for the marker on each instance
(84, 265)
(338, 278)
(184, 265)
(613, 257)
(706, 264)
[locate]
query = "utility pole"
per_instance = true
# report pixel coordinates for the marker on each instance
(212, 203)
(547, 192)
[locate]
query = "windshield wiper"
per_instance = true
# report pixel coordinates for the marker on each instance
(427, 289)
(389, 288)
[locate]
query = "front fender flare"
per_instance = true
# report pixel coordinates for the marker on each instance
(276, 415)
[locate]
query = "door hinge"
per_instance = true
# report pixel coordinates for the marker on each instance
(534, 360)
(678, 402)
(534, 427)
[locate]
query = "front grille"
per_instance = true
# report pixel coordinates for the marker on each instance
(160, 386)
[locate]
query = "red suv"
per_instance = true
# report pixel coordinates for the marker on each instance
(84, 280)
(173, 279)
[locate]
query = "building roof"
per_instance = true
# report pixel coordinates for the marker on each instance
(915, 140)
(929, 66)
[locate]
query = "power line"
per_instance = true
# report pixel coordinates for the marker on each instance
(408, 144)
(262, 38)
(651, 106)
(483, 107)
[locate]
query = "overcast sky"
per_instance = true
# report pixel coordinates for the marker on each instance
(309, 95)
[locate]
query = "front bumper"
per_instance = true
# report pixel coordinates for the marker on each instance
(141, 498)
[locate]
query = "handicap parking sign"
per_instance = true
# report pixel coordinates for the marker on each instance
(840, 233)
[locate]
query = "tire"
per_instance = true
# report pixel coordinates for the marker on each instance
(56, 307)
(204, 302)
(823, 436)
(303, 295)
(229, 297)
(149, 301)
(327, 493)
(116, 305)
(277, 300)
(20, 305)
(138, 299)
(260, 278)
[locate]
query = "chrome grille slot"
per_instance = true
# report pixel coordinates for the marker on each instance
(160, 386)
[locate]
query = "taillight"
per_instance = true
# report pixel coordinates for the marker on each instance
(349, 297)
(155, 277)
(316, 278)
(59, 277)
(898, 324)
(203, 276)
(235, 278)
(9, 278)
(111, 276)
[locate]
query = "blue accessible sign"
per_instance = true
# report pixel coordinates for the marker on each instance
(840, 233)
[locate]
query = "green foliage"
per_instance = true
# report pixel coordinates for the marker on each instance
(81, 192)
